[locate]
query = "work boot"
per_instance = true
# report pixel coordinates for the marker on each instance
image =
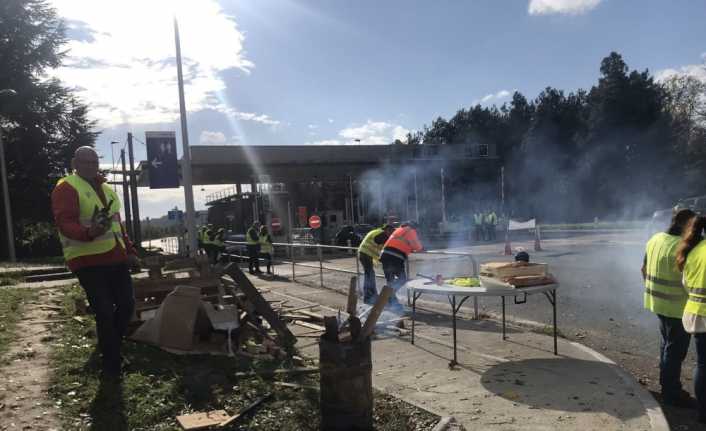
(684, 400)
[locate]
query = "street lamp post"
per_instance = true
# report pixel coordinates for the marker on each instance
(6, 192)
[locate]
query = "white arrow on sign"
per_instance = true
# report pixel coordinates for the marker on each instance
(156, 163)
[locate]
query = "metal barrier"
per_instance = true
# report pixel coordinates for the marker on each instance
(291, 247)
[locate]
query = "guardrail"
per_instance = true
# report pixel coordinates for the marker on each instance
(352, 251)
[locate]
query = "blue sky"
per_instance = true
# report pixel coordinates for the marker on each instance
(265, 72)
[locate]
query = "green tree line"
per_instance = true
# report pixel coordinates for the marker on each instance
(628, 146)
(41, 124)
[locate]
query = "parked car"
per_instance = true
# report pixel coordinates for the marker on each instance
(354, 233)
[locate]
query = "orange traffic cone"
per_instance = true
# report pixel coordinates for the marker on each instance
(537, 245)
(508, 249)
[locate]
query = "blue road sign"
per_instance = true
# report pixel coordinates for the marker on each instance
(162, 160)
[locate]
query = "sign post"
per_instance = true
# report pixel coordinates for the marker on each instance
(276, 224)
(162, 160)
(314, 222)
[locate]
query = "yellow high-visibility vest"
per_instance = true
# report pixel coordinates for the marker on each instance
(695, 280)
(89, 201)
(368, 245)
(664, 293)
(248, 237)
(265, 244)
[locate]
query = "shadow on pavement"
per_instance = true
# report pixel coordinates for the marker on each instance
(564, 384)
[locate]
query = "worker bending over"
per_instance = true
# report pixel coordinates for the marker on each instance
(665, 297)
(393, 257)
(98, 251)
(369, 251)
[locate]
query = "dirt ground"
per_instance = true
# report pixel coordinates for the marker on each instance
(24, 402)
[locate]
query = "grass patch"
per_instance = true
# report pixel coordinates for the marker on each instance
(11, 301)
(10, 280)
(158, 386)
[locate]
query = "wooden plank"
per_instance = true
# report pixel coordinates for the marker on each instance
(278, 372)
(331, 325)
(375, 313)
(309, 325)
(352, 304)
(234, 418)
(261, 306)
(316, 316)
(304, 307)
(198, 421)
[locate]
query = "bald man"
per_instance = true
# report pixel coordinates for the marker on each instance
(96, 249)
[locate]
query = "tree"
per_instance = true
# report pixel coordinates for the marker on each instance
(44, 123)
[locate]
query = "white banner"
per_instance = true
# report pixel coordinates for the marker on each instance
(519, 225)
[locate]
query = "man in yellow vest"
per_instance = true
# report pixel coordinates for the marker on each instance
(369, 251)
(252, 239)
(665, 296)
(478, 225)
(97, 250)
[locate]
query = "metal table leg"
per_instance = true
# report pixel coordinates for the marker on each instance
(475, 308)
(415, 296)
(503, 300)
(551, 296)
(454, 311)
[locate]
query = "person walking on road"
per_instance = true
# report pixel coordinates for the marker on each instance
(665, 297)
(266, 247)
(478, 225)
(491, 221)
(393, 257)
(368, 252)
(691, 259)
(96, 248)
(252, 238)
(218, 245)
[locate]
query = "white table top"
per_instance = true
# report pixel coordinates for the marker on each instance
(417, 285)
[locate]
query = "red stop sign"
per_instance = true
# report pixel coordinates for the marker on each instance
(314, 222)
(276, 224)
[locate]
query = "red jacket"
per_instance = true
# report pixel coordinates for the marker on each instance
(405, 240)
(64, 203)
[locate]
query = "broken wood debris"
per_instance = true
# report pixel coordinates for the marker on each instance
(277, 372)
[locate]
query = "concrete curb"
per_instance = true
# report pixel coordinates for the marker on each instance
(448, 423)
(658, 422)
(657, 419)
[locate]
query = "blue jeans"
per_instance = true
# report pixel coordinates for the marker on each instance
(109, 291)
(370, 292)
(700, 373)
(395, 273)
(672, 352)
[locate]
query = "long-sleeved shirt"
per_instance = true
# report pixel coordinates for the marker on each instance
(65, 206)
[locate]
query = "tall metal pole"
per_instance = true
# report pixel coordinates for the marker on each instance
(126, 198)
(137, 229)
(443, 198)
(350, 183)
(186, 157)
(416, 197)
(6, 203)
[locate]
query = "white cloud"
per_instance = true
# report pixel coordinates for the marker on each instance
(326, 142)
(212, 138)
(330, 120)
(122, 58)
(312, 126)
(697, 71)
(569, 7)
(500, 95)
(374, 133)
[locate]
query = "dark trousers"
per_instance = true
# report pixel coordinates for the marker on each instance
(369, 288)
(254, 258)
(700, 374)
(395, 273)
(268, 261)
(478, 232)
(109, 291)
(672, 352)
